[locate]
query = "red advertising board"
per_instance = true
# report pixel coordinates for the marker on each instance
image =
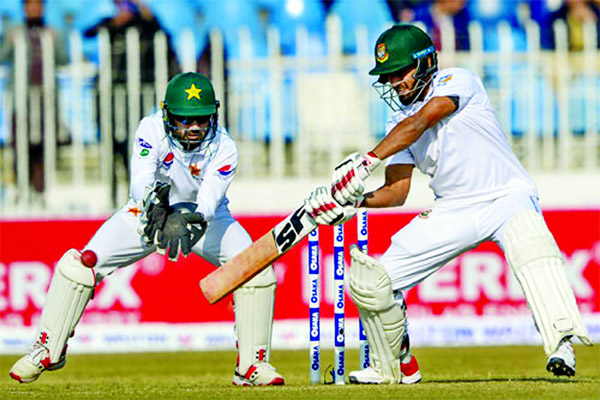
(478, 282)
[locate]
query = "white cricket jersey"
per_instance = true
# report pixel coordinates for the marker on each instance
(201, 176)
(466, 154)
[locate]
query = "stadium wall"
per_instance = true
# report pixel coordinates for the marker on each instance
(156, 305)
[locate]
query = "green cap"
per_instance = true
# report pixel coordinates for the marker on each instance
(399, 47)
(190, 94)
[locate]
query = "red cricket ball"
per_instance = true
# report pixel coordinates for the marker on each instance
(89, 258)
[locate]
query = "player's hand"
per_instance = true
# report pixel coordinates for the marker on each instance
(155, 211)
(349, 177)
(324, 210)
(182, 230)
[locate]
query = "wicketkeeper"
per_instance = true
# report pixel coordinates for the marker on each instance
(444, 125)
(182, 164)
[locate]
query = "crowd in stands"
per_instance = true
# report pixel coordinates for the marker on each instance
(202, 16)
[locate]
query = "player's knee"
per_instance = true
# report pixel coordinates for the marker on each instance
(370, 285)
(72, 267)
(265, 278)
(527, 239)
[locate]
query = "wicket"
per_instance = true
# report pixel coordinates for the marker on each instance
(339, 369)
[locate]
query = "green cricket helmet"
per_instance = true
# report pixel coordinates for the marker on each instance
(401, 46)
(190, 97)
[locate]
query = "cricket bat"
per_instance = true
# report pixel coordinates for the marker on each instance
(262, 253)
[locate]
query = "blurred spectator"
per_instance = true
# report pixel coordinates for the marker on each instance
(576, 13)
(403, 10)
(33, 30)
(133, 13)
(433, 14)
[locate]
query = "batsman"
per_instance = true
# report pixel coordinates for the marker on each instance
(181, 167)
(444, 125)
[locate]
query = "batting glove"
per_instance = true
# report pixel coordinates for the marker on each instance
(349, 177)
(324, 210)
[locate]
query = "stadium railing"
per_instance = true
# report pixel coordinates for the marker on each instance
(294, 116)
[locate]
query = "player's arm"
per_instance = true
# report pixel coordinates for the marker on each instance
(144, 161)
(394, 191)
(410, 129)
(349, 175)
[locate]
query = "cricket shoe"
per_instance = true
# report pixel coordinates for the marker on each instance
(562, 361)
(259, 374)
(29, 367)
(410, 374)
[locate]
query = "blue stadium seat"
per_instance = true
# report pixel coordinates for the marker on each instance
(578, 103)
(287, 16)
(374, 15)
(489, 13)
(12, 11)
(175, 16)
(228, 17)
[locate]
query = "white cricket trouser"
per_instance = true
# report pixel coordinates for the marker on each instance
(430, 241)
(117, 243)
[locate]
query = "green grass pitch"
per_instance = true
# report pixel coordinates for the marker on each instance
(448, 373)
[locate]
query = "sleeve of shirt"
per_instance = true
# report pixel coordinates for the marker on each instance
(219, 175)
(460, 83)
(144, 160)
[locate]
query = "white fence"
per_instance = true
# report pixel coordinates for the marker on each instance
(293, 116)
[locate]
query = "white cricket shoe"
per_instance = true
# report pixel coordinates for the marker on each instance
(259, 374)
(410, 374)
(562, 361)
(29, 367)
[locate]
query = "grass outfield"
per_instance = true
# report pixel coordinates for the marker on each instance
(448, 373)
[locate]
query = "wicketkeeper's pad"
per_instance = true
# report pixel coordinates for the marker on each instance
(70, 290)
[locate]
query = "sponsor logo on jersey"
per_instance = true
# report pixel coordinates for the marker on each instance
(144, 152)
(195, 170)
(425, 214)
(135, 211)
(226, 170)
(144, 144)
(168, 160)
(444, 80)
(382, 54)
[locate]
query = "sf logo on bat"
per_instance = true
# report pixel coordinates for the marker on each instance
(292, 229)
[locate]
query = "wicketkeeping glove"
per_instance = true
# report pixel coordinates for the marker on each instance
(182, 230)
(155, 211)
(324, 210)
(348, 177)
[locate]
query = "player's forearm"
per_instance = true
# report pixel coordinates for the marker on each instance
(400, 137)
(384, 197)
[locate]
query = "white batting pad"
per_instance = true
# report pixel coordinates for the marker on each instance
(254, 304)
(538, 264)
(70, 290)
(383, 319)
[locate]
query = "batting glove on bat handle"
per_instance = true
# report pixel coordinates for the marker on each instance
(324, 210)
(349, 177)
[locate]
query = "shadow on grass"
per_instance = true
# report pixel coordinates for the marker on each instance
(482, 380)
